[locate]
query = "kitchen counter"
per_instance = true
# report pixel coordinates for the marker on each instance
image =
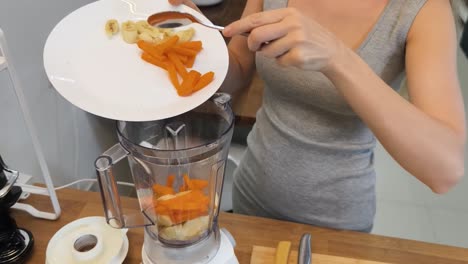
(248, 231)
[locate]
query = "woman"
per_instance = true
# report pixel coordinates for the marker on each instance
(329, 68)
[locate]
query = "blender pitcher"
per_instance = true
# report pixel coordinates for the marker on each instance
(177, 166)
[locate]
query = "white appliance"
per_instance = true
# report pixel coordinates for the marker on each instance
(178, 167)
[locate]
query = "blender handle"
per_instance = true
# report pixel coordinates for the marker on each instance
(108, 185)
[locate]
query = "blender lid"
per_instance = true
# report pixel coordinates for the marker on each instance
(87, 240)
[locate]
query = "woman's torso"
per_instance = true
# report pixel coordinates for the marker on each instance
(310, 157)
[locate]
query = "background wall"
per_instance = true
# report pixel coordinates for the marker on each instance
(71, 139)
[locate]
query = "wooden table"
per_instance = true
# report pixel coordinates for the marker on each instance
(247, 231)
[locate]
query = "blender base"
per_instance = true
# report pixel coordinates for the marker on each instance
(225, 254)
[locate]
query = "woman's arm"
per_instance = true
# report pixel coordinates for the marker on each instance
(241, 59)
(427, 135)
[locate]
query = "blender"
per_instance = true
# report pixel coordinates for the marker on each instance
(177, 165)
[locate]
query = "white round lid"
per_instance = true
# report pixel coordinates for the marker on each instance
(88, 240)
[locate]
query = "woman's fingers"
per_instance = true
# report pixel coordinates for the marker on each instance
(293, 57)
(277, 48)
(176, 2)
(184, 2)
(268, 33)
(248, 23)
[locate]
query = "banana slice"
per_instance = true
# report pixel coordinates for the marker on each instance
(186, 231)
(164, 220)
(143, 26)
(195, 227)
(129, 32)
(112, 27)
(146, 37)
(185, 35)
(172, 232)
(150, 37)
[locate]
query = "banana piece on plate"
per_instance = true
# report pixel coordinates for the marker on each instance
(111, 27)
(143, 26)
(149, 33)
(166, 32)
(129, 32)
(147, 37)
(185, 35)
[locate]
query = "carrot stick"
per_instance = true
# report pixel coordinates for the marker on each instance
(177, 63)
(150, 59)
(205, 79)
(170, 180)
(173, 75)
(161, 190)
(182, 58)
(169, 42)
(193, 45)
(188, 182)
(162, 210)
(183, 217)
(188, 206)
(198, 184)
(195, 195)
(188, 83)
(190, 61)
(183, 51)
(150, 49)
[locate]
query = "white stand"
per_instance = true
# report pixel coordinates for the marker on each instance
(225, 254)
(49, 191)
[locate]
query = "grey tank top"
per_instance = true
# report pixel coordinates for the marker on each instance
(310, 157)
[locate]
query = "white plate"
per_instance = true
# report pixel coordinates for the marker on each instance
(107, 77)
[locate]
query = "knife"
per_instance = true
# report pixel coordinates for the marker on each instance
(305, 255)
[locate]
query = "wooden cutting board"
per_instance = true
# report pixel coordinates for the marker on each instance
(266, 255)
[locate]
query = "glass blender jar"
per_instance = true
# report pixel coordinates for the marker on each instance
(178, 167)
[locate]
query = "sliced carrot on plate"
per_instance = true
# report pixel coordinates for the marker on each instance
(173, 75)
(193, 45)
(157, 62)
(150, 49)
(183, 51)
(188, 83)
(169, 42)
(204, 80)
(190, 62)
(177, 63)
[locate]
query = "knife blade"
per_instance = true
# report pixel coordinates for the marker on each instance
(305, 255)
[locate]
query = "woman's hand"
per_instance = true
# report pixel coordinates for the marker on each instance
(185, 2)
(293, 39)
